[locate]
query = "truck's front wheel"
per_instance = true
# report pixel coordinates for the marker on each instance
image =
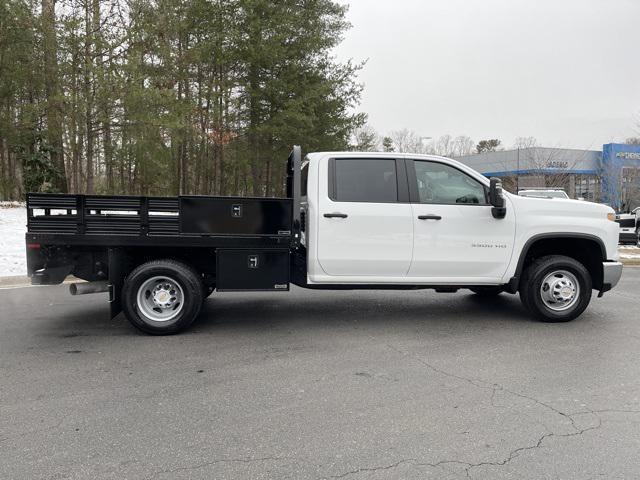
(162, 297)
(556, 288)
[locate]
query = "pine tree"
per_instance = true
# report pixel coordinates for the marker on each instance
(169, 96)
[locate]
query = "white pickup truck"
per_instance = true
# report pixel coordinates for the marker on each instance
(350, 221)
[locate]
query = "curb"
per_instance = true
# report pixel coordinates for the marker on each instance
(14, 281)
(20, 281)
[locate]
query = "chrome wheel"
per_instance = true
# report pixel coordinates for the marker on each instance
(560, 290)
(160, 299)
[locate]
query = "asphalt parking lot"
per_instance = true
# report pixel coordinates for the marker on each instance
(310, 385)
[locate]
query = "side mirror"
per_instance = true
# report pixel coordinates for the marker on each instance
(496, 198)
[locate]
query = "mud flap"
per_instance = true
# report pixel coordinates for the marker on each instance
(51, 275)
(119, 267)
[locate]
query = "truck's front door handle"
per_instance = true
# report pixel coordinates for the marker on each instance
(335, 215)
(429, 217)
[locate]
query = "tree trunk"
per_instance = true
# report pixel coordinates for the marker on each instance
(88, 92)
(54, 105)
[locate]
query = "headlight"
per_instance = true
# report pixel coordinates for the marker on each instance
(611, 216)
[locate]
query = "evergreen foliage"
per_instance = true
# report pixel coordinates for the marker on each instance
(163, 97)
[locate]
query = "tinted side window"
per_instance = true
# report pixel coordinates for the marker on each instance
(366, 181)
(439, 183)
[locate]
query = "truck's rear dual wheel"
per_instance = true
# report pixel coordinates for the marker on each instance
(162, 297)
(556, 288)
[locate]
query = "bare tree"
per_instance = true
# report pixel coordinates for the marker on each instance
(545, 167)
(407, 141)
(612, 185)
(550, 164)
(525, 142)
(444, 146)
(365, 139)
(630, 188)
(463, 145)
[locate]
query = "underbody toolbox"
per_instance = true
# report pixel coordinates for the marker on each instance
(257, 270)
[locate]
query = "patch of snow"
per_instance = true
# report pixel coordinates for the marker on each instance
(627, 254)
(13, 226)
(12, 204)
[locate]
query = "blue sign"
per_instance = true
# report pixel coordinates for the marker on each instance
(616, 156)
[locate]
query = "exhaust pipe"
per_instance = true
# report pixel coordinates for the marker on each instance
(88, 287)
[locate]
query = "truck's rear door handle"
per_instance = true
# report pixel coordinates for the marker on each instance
(429, 217)
(335, 215)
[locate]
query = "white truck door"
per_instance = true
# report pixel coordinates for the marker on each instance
(365, 224)
(455, 235)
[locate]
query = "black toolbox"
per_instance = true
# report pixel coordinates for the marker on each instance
(235, 216)
(252, 270)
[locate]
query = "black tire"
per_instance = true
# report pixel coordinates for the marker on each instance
(532, 283)
(489, 291)
(189, 300)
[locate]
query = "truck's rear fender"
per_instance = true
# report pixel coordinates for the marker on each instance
(587, 249)
(121, 261)
(51, 264)
(48, 265)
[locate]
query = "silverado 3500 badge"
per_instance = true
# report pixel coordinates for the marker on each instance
(488, 245)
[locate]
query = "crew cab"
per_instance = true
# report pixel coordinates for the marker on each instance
(349, 221)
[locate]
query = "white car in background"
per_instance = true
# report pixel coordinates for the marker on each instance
(543, 193)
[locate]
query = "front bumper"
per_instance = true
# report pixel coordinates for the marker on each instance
(611, 273)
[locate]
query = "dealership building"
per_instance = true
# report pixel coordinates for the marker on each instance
(610, 176)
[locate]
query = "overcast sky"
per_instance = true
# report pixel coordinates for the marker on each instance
(564, 71)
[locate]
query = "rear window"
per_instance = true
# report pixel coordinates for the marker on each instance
(366, 180)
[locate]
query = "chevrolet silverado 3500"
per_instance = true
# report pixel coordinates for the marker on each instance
(349, 221)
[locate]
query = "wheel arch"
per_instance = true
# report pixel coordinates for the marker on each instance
(123, 260)
(586, 248)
